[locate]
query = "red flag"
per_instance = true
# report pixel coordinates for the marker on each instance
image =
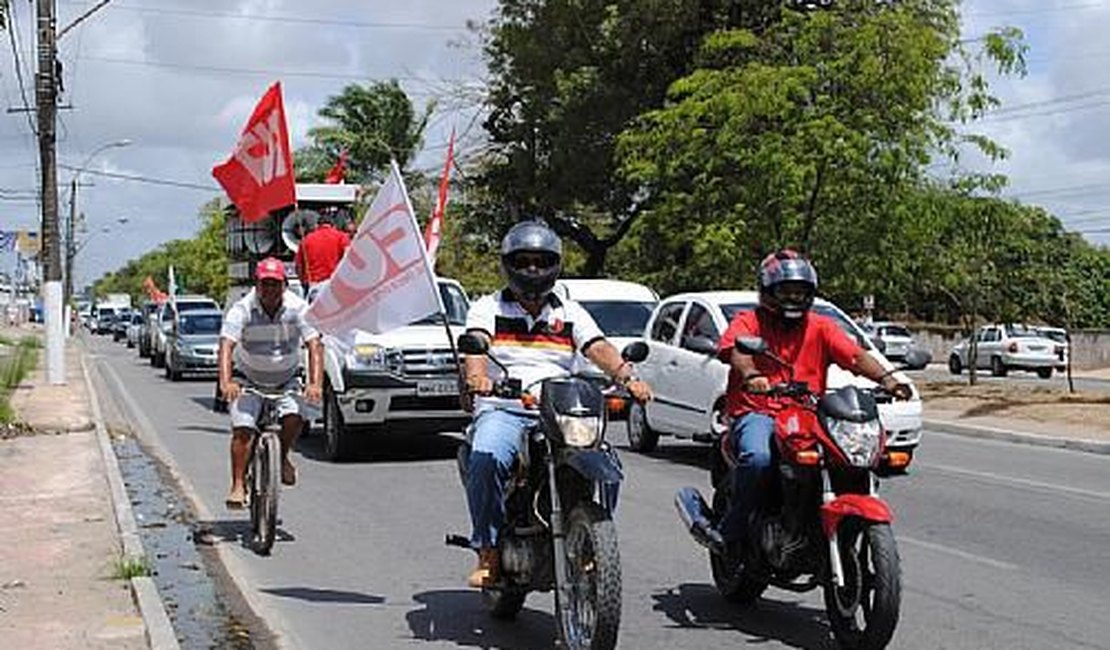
(433, 233)
(336, 173)
(258, 177)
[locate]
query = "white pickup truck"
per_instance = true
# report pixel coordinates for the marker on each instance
(404, 379)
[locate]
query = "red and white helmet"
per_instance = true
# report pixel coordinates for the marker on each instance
(780, 269)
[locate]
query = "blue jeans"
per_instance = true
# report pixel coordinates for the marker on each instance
(496, 439)
(750, 435)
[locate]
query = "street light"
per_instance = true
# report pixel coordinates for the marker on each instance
(70, 250)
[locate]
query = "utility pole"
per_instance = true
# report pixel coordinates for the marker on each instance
(46, 96)
(71, 222)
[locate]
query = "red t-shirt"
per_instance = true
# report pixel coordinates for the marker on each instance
(320, 252)
(811, 347)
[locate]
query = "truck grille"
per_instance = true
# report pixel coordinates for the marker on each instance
(429, 363)
(413, 403)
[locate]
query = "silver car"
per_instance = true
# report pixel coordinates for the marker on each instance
(165, 319)
(192, 343)
(892, 339)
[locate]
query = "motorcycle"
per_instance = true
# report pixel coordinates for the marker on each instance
(821, 523)
(565, 467)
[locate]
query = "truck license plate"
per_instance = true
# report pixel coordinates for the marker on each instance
(436, 387)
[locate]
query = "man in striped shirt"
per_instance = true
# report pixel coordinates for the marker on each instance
(260, 345)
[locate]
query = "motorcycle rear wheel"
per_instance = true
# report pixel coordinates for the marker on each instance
(732, 579)
(864, 613)
(592, 618)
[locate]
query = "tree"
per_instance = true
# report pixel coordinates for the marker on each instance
(808, 134)
(374, 124)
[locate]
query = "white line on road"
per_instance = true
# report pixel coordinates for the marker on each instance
(1000, 478)
(948, 550)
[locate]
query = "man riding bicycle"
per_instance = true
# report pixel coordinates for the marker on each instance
(536, 335)
(261, 337)
(808, 341)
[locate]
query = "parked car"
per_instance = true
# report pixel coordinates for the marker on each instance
(689, 381)
(120, 324)
(134, 328)
(405, 378)
(105, 320)
(166, 317)
(149, 311)
(621, 309)
(892, 339)
(1003, 348)
(192, 343)
(1060, 335)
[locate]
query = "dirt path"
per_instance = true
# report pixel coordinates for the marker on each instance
(1019, 402)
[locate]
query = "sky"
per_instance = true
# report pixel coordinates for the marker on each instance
(178, 79)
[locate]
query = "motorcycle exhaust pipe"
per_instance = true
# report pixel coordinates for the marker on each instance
(695, 514)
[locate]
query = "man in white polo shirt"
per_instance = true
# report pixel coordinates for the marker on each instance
(535, 334)
(260, 345)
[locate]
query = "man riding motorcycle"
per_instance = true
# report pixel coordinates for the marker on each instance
(536, 335)
(808, 341)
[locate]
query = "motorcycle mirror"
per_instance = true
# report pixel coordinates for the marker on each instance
(473, 344)
(751, 345)
(635, 352)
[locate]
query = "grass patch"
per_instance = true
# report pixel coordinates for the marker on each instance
(131, 567)
(16, 361)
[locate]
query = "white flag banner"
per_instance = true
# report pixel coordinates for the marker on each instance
(385, 280)
(171, 287)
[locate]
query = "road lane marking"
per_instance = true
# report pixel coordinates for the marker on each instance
(948, 550)
(1000, 478)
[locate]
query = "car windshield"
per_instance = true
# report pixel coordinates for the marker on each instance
(618, 317)
(896, 330)
(137, 319)
(1054, 334)
(842, 321)
(454, 302)
(200, 324)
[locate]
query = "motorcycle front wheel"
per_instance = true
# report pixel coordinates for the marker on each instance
(591, 618)
(864, 612)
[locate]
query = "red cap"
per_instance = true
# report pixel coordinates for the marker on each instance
(270, 268)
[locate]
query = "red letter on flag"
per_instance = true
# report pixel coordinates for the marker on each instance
(258, 177)
(433, 233)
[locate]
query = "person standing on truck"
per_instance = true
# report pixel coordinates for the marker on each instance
(319, 253)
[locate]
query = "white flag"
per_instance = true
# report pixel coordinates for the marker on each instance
(385, 280)
(172, 289)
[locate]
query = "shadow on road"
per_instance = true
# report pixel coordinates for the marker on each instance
(388, 447)
(459, 616)
(207, 402)
(223, 431)
(700, 606)
(313, 595)
(692, 454)
(238, 531)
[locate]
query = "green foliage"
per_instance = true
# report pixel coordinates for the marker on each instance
(131, 567)
(16, 362)
(373, 123)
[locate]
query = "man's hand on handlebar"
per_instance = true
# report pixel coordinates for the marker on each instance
(231, 391)
(313, 393)
(896, 388)
(479, 385)
(757, 384)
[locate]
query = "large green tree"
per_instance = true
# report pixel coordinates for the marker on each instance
(373, 123)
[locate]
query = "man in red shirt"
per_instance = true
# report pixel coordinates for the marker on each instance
(808, 341)
(319, 253)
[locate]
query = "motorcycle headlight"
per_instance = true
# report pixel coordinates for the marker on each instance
(858, 440)
(579, 431)
(370, 357)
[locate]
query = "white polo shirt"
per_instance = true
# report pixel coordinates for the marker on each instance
(267, 350)
(532, 349)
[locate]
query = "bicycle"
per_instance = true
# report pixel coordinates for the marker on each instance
(263, 476)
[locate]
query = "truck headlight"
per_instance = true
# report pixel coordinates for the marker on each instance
(371, 357)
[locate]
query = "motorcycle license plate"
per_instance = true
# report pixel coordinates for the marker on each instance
(432, 387)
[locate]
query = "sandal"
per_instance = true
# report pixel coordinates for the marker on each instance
(233, 503)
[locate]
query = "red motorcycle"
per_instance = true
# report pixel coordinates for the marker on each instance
(820, 523)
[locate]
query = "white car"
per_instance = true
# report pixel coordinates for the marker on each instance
(893, 340)
(689, 381)
(134, 329)
(1003, 348)
(403, 378)
(621, 309)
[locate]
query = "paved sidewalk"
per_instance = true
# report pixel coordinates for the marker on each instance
(61, 542)
(1049, 434)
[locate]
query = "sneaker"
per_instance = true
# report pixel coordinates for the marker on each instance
(485, 574)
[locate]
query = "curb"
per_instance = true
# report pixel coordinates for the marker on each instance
(159, 631)
(1007, 435)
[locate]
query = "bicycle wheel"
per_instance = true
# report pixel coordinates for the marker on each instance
(265, 477)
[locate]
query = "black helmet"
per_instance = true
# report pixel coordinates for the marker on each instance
(786, 267)
(531, 257)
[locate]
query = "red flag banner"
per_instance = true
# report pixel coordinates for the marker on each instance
(258, 177)
(433, 232)
(338, 172)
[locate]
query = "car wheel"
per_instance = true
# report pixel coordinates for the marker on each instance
(998, 369)
(954, 365)
(339, 443)
(640, 435)
(1044, 373)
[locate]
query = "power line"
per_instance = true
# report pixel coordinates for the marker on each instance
(1039, 10)
(304, 20)
(143, 179)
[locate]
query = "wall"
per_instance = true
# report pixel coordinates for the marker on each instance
(1090, 348)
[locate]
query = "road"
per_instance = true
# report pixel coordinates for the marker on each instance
(1003, 546)
(939, 373)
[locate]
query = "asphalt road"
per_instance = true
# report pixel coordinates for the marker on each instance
(1003, 546)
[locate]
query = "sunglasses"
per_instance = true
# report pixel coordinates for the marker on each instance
(522, 261)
